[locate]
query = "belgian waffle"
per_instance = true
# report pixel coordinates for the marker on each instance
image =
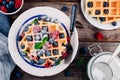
(105, 11)
(36, 45)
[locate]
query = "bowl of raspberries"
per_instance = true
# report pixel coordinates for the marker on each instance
(10, 7)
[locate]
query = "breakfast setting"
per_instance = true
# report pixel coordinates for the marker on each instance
(60, 40)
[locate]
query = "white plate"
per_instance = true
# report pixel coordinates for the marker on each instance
(94, 22)
(103, 57)
(51, 12)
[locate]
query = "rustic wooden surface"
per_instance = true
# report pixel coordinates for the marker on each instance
(86, 34)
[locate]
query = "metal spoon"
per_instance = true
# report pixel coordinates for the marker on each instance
(72, 25)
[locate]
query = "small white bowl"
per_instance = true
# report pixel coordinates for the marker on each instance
(11, 13)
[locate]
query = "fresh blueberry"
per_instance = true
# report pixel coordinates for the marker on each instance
(18, 74)
(26, 29)
(97, 12)
(19, 38)
(23, 54)
(4, 2)
(41, 61)
(102, 18)
(55, 44)
(39, 18)
(8, 6)
(11, 3)
(43, 31)
(37, 37)
(61, 35)
(47, 53)
(68, 73)
(64, 8)
(105, 4)
(55, 52)
(32, 62)
(45, 28)
(22, 46)
(51, 40)
(90, 4)
(84, 50)
(106, 11)
(29, 38)
(41, 52)
(114, 23)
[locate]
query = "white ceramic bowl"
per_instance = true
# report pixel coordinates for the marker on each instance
(51, 12)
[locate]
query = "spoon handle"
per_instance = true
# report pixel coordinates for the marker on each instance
(73, 17)
(117, 51)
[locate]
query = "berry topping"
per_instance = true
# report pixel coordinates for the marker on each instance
(55, 52)
(8, 6)
(90, 4)
(55, 44)
(19, 38)
(61, 35)
(106, 11)
(1, 1)
(32, 62)
(4, 2)
(47, 53)
(102, 18)
(29, 38)
(26, 29)
(48, 64)
(97, 12)
(37, 37)
(84, 50)
(105, 4)
(114, 23)
(41, 52)
(45, 28)
(22, 46)
(41, 61)
(51, 40)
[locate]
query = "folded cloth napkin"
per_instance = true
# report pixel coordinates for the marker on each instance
(6, 62)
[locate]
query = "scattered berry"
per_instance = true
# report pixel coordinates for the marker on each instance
(4, 2)
(90, 4)
(18, 3)
(61, 35)
(41, 61)
(47, 53)
(99, 36)
(55, 44)
(64, 55)
(114, 23)
(64, 8)
(22, 46)
(84, 50)
(55, 52)
(19, 38)
(68, 73)
(11, 3)
(18, 74)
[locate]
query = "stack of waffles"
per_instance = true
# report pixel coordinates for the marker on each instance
(105, 11)
(41, 42)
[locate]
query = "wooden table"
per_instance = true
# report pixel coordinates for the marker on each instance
(86, 38)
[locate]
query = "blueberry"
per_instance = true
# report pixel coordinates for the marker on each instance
(41, 52)
(61, 35)
(55, 44)
(64, 8)
(106, 11)
(43, 31)
(68, 73)
(53, 59)
(37, 37)
(4, 2)
(23, 54)
(84, 50)
(45, 28)
(114, 23)
(55, 52)
(41, 61)
(19, 38)
(29, 38)
(102, 18)
(51, 40)
(90, 4)
(97, 12)
(22, 46)
(32, 62)
(18, 74)
(26, 29)
(8, 6)
(105, 4)
(11, 3)
(39, 18)
(47, 53)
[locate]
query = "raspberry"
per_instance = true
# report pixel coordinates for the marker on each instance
(1, 1)
(4, 9)
(99, 36)
(18, 3)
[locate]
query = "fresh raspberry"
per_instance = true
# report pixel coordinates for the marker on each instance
(64, 55)
(99, 36)
(48, 64)
(18, 3)
(7, 0)
(1, 1)
(4, 9)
